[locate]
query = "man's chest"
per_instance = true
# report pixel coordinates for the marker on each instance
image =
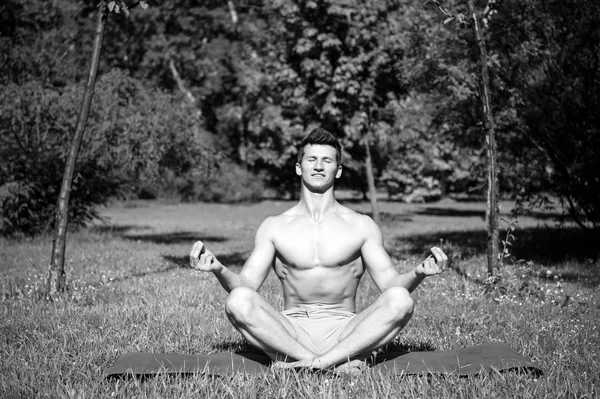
(309, 244)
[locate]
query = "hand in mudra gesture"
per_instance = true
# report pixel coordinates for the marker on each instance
(202, 259)
(435, 263)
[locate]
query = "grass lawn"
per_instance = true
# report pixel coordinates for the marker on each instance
(131, 290)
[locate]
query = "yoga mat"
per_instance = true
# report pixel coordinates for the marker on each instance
(464, 361)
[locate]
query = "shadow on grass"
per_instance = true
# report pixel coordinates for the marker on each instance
(454, 212)
(178, 237)
(394, 348)
(397, 349)
(449, 211)
(544, 246)
(390, 218)
(239, 346)
(355, 200)
(461, 213)
(116, 229)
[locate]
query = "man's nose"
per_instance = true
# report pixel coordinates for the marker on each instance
(319, 165)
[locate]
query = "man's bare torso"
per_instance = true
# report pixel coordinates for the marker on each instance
(319, 261)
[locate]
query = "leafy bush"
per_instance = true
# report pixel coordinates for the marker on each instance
(133, 136)
(405, 181)
(230, 183)
(558, 99)
(34, 130)
(422, 162)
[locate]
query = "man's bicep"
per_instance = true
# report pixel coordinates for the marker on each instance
(377, 261)
(259, 263)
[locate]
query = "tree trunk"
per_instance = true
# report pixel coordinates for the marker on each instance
(56, 281)
(492, 175)
(189, 96)
(371, 181)
(232, 12)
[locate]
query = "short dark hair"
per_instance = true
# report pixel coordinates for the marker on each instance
(322, 137)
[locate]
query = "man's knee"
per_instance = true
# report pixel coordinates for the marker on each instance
(398, 302)
(239, 304)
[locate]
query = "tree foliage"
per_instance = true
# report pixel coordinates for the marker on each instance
(553, 76)
(391, 69)
(135, 135)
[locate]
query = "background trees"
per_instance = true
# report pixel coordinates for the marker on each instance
(136, 137)
(389, 74)
(550, 66)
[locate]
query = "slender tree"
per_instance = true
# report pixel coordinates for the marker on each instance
(490, 126)
(56, 280)
(369, 171)
(475, 24)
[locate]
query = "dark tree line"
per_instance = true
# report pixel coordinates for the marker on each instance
(388, 77)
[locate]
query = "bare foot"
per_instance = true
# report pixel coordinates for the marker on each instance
(308, 363)
(353, 367)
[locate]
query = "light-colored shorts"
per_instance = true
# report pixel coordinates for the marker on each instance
(318, 327)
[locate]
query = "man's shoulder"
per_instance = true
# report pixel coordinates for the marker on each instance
(363, 225)
(355, 218)
(276, 221)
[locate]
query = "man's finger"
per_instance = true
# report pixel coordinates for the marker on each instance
(441, 257)
(434, 262)
(428, 263)
(195, 252)
(445, 257)
(436, 253)
(197, 249)
(441, 253)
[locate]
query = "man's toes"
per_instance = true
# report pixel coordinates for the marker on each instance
(279, 364)
(352, 367)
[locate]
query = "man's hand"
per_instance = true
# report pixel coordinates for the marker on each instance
(434, 264)
(203, 260)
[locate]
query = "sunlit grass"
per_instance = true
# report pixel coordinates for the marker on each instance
(129, 291)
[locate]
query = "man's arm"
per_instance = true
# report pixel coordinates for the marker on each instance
(382, 270)
(255, 269)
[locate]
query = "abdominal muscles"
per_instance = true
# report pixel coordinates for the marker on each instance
(320, 285)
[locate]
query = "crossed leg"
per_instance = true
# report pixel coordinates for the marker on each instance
(263, 326)
(372, 328)
(267, 329)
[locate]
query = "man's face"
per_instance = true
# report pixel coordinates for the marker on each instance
(319, 167)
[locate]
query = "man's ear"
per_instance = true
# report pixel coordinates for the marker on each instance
(339, 172)
(298, 169)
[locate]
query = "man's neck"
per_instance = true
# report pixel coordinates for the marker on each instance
(317, 204)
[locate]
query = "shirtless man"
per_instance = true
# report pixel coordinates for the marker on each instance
(319, 249)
